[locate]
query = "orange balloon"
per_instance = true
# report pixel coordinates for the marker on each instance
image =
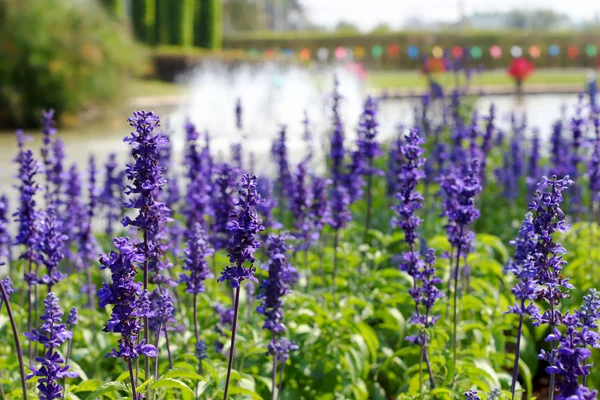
(535, 52)
(305, 54)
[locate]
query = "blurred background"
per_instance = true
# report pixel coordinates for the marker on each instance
(94, 61)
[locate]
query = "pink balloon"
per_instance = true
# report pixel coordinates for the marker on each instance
(340, 53)
(496, 52)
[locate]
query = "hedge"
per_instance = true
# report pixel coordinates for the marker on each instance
(425, 41)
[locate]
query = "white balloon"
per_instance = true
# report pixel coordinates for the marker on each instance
(322, 54)
(516, 51)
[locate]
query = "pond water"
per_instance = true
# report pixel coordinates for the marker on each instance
(267, 102)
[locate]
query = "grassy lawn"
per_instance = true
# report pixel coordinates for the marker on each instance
(143, 88)
(386, 79)
(414, 79)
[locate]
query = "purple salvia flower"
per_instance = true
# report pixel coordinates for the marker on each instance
(5, 239)
(264, 186)
(51, 335)
(300, 205)
(146, 175)
(549, 218)
(409, 175)
(352, 180)
(197, 195)
(460, 188)
(222, 203)
(559, 154)
(238, 113)
(8, 287)
(394, 167)
(281, 348)
(88, 247)
(472, 395)
(48, 132)
(225, 314)
(236, 155)
(337, 152)
(74, 212)
(112, 197)
(195, 263)
(244, 226)
(72, 318)
(129, 299)
(164, 315)
(26, 215)
(274, 287)
(533, 167)
(51, 247)
(317, 214)
(57, 172)
(200, 351)
(307, 137)
(570, 359)
(367, 138)
(594, 168)
(285, 182)
(577, 127)
(424, 291)
(339, 211)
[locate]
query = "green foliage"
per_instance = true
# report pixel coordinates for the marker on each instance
(59, 54)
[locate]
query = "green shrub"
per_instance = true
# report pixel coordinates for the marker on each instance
(59, 54)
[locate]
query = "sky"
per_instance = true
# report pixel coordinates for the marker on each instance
(368, 13)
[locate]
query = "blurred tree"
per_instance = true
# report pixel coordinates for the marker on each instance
(115, 7)
(344, 26)
(208, 24)
(60, 54)
(382, 28)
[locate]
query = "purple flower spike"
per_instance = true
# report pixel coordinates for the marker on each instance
(276, 285)
(195, 263)
(51, 335)
(26, 214)
(51, 248)
(244, 225)
(130, 302)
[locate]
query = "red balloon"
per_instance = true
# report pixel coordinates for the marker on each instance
(572, 52)
(457, 51)
(521, 68)
(393, 50)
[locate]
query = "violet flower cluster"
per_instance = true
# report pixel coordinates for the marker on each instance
(285, 182)
(460, 187)
(367, 143)
(5, 239)
(197, 197)
(130, 302)
(272, 291)
(195, 263)
(274, 287)
(48, 131)
(51, 247)
(424, 291)
(111, 196)
(52, 335)
(26, 215)
(570, 359)
(244, 225)
(222, 203)
(146, 175)
(300, 205)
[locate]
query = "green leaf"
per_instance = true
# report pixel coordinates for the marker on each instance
(107, 388)
(170, 383)
(238, 390)
(179, 373)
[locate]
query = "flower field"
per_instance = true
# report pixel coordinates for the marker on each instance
(455, 261)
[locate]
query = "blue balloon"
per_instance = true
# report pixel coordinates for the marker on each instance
(413, 51)
(554, 50)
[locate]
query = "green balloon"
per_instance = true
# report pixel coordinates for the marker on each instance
(476, 52)
(253, 53)
(591, 50)
(377, 51)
